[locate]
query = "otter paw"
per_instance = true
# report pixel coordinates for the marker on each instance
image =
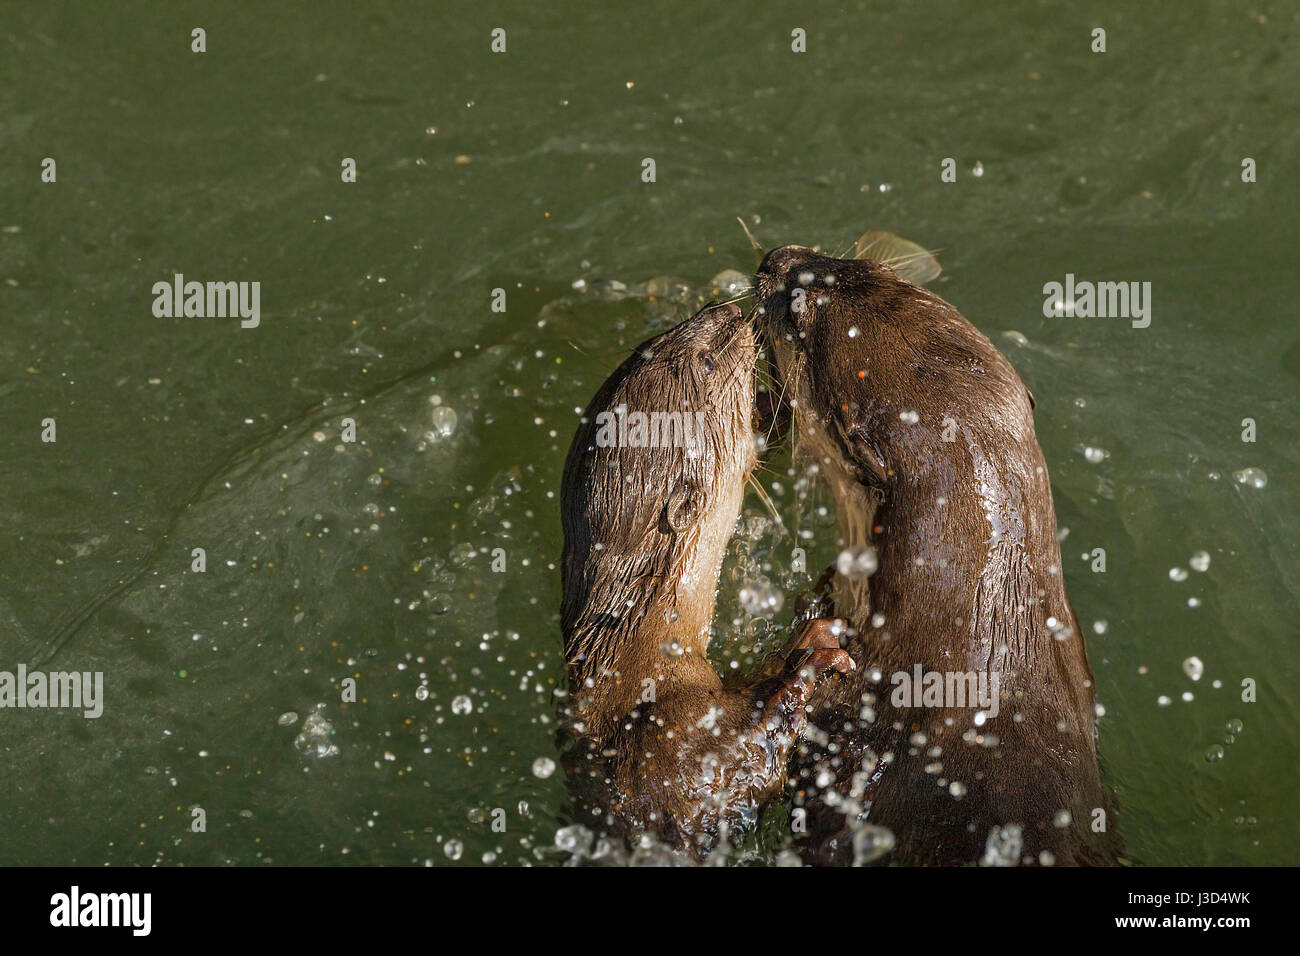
(818, 634)
(805, 666)
(816, 649)
(822, 659)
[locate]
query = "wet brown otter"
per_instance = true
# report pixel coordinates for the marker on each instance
(925, 435)
(661, 745)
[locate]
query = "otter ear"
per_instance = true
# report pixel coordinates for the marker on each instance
(685, 505)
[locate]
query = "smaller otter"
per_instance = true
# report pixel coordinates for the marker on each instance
(925, 435)
(652, 490)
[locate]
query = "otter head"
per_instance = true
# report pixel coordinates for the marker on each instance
(897, 398)
(863, 354)
(652, 488)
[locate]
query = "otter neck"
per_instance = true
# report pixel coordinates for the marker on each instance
(653, 659)
(973, 540)
(667, 647)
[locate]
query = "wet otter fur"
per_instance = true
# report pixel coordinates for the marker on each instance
(659, 743)
(880, 372)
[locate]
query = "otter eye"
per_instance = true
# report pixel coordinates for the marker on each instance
(706, 359)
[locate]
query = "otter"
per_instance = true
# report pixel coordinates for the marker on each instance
(657, 742)
(925, 435)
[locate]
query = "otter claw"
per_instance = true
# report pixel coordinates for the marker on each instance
(822, 659)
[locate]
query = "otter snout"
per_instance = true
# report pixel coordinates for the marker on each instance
(780, 261)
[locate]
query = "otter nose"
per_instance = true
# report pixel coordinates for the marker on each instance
(780, 261)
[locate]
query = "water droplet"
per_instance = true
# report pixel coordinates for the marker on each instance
(462, 705)
(857, 563)
(1214, 753)
(1095, 456)
(444, 422)
(1177, 574)
(1062, 819)
(543, 767)
(1200, 561)
(454, 849)
(761, 599)
(575, 839)
(1251, 477)
(1003, 846)
(870, 843)
(730, 283)
(1193, 668)
(1235, 726)
(287, 719)
(421, 693)
(313, 738)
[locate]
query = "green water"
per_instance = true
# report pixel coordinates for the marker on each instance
(373, 560)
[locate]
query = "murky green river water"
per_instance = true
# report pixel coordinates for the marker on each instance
(372, 560)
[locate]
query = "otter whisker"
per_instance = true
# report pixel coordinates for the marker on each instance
(797, 417)
(767, 439)
(753, 243)
(722, 352)
(910, 257)
(845, 251)
(767, 501)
